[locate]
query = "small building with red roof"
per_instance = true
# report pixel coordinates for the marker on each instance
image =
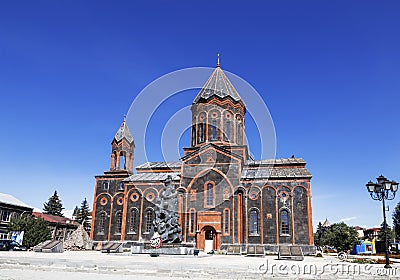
(60, 227)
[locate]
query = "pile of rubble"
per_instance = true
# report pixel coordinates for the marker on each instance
(78, 240)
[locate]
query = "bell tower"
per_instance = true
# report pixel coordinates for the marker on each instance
(218, 115)
(122, 152)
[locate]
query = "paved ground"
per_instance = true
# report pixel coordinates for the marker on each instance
(97, 266)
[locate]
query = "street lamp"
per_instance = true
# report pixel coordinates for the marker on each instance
(383, 190)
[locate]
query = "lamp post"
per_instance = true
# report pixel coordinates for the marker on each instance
(383, 190)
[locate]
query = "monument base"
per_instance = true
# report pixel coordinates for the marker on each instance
(167, 249)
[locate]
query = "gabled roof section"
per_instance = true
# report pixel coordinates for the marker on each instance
(218, 85)
(282, 168)
(159, 167)
(156, 165)
(55, 219)
(153, 177)
(10, 200)
(263, 173)
(277, 162)
(211, 145)
(123, 132)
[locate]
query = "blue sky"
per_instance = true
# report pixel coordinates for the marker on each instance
(327, 70)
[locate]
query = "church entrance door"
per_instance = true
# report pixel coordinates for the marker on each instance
(209, 240)
(208, 237)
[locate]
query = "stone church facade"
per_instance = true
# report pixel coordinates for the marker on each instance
(224, 197)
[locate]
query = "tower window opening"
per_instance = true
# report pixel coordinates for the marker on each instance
(193, 135)
(214, 130)
(201, 132)
(239, 133)
(228, 130)
(122, 161)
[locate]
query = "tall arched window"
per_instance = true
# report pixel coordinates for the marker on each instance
(115, 160)
(149, 220)
(102, 222)
(228, 130)
(226, 221)
(214, 130)
(133, 220)
(239, 132)
(180, 208)
(122, 164)
(201, 132)
(209, 195)
(253, 221)
(284, 222)
(119, 222)
(193, 135)
(192, 220)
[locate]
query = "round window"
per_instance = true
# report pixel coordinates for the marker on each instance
(103, 201)
(134, 197)
(253, 195)
(150, 196)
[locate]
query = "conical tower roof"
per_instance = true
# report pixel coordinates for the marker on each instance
(218, 85)
(326, 223)
(123, 132)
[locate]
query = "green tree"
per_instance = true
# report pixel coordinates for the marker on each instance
(35, 230)
(53, 206)
(396, 221)
(340, 236)
(75, 213)
(83, 214)
(390, 233)
(318, 235)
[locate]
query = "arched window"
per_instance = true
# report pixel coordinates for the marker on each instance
(226, 221)
(239, 132)
(228, 130)
(201, 132)
(193, 135)
(214, 130)
(133, 220)
(192, 220)
(122, 164)
(105, 186)
(180, 208)
(115, 160)
(119, 222)
(149, 220)
(121, 186)
(253, 221)
(102, 222)
(284, 222)
(209, 195)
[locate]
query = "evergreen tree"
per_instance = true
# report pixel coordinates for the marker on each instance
(396, 221)
(75, 213)
(83, 215)
(35, 230)
(318, 236)
(53, 206)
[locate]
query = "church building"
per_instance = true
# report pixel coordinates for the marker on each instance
(224, 197)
